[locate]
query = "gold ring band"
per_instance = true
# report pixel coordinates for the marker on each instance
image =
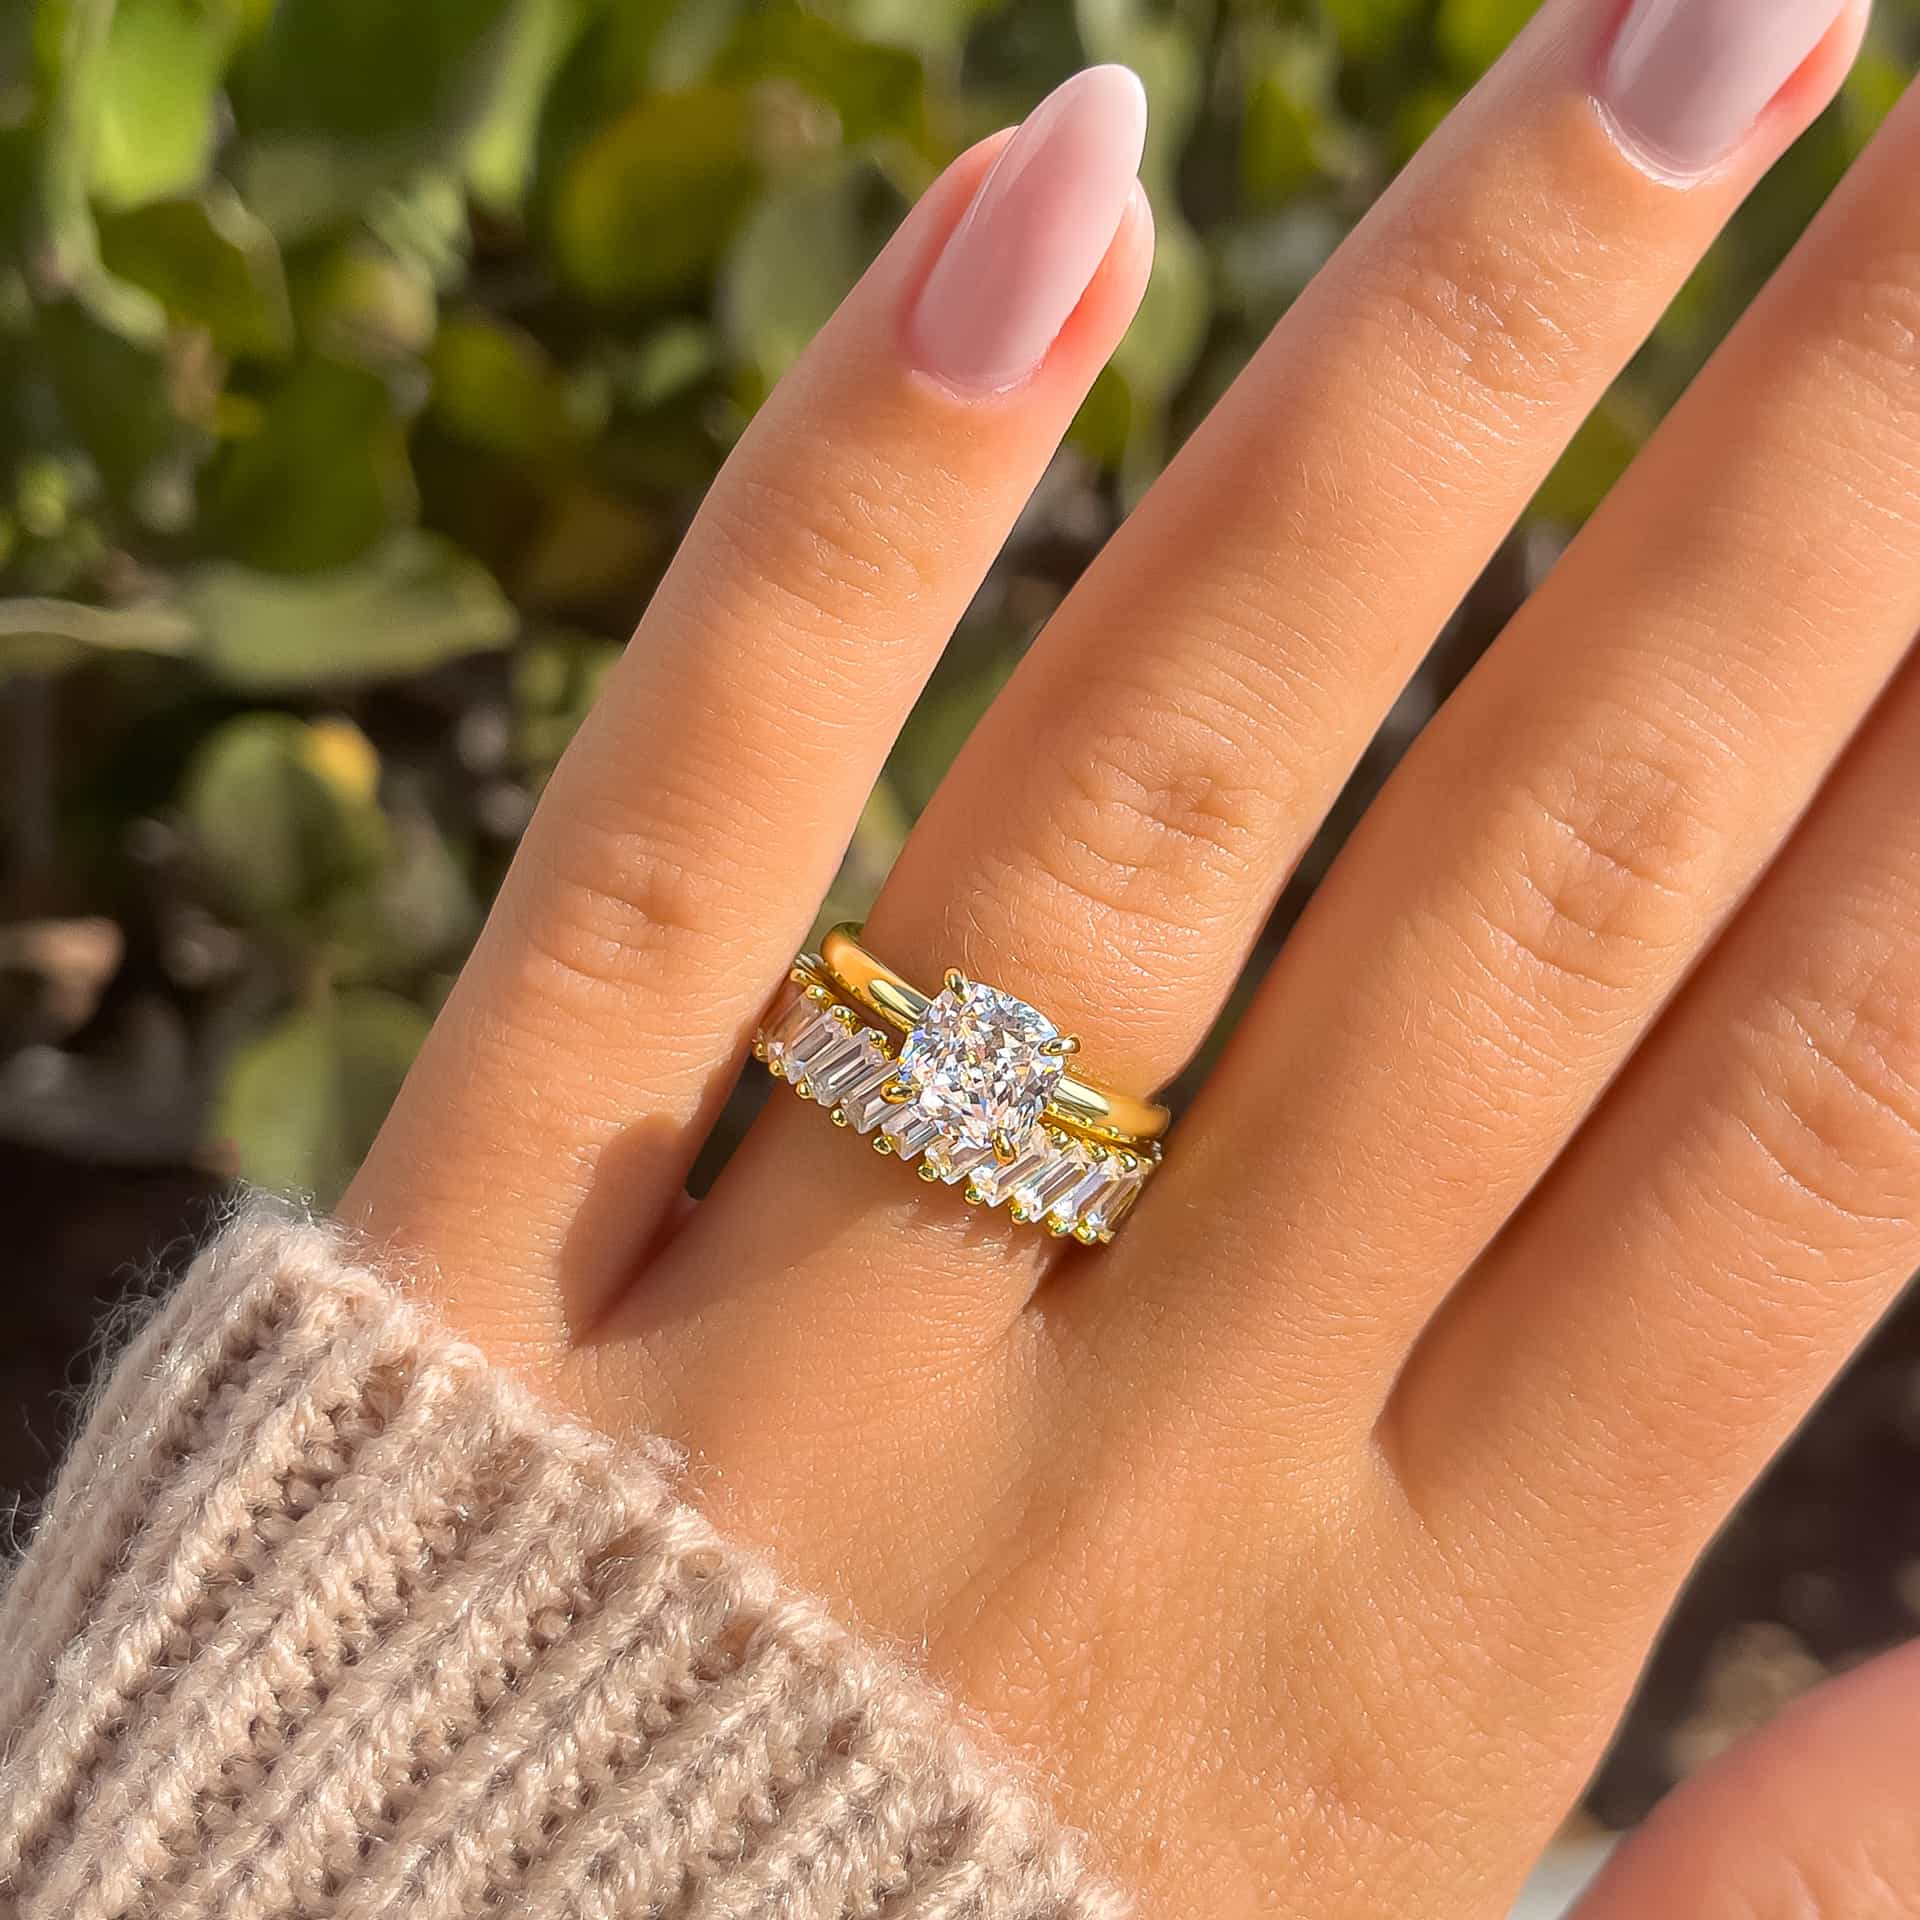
(1077, 1102)
(817, 1039)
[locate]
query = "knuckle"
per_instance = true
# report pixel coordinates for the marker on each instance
(1475, 308)
(1151, 824)
(823, 555)
(1833, 1089)
(1592, 873)
(613, 913)
(1880, 331)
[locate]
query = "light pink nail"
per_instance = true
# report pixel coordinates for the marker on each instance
(1688, 79)
(1035, 233)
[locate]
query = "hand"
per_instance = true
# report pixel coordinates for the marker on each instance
(1311, 1534)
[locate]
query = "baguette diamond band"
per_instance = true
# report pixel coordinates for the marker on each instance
(968, 1093)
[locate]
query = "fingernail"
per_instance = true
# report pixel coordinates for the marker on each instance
(1688, 79)
(1033, 235)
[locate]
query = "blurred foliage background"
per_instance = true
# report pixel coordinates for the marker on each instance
(361, 362)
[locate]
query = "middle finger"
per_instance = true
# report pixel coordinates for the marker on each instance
(1111, 840)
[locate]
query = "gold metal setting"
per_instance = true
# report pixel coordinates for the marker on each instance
(1077, 1103)
(1066, 1177)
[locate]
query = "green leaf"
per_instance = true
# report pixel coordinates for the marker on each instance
(1159, 349)
(338, 99)
(42, 635)
(935, 29)
(282, 811)
(360, 302)
(113, 395)
(494, 387)
(159, 94)
(1475, 33)
(794, 261)
(874, 89)
(503, 146)
(647, 208)
(1367, 29)
(323, 476)
(1294, 134)
(301, 1102)
(210, 264)
(1165, 338)
(1595, 458)
(414, 603)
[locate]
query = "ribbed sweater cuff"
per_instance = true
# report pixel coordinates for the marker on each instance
(327, 1618)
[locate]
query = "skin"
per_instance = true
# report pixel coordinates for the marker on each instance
(1311, 1536)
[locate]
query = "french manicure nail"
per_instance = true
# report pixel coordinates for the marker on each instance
(1033, 235)
(1687, 80)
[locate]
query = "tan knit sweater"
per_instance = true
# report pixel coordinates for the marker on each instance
(326, 1618)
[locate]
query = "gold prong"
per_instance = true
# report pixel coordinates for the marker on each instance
(1085, 1234)
(819, 995)
(804, 1088)
(1062, 1046)
(846, 1016)
(799, 976)
(926, 1173)
(1019, 1211)
(881, 1143)
(956, 981)
(976, 1193)
(1004, 1149)
(1058, 1227)
(896, 1093)
(759, 1046)
(838, 1115)
(777, 1068)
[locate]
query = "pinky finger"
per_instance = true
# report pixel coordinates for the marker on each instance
(1810, 1818)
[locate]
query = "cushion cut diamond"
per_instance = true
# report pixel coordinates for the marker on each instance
(979, 1064)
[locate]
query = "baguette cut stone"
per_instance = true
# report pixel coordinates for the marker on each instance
(851, 1072)
(1062, 1172)
(1071, 1207)
(954, 1160)
(798, 1015)
(814, 1053)
(910, 1130)
(1112, 1207)
(979, 1066)
(997, 1182)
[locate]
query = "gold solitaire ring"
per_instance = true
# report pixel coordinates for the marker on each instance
(971, 1082)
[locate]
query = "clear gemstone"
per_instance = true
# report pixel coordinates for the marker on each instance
(996, 1181)
(793, 1020)
(953, 1160)
(1061, 1173)
(867, 1104)
(849, 1070)
(1111, 1208)
(824, 1041)
(909, 1129)
(978, 1064)
(1070, 1207)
